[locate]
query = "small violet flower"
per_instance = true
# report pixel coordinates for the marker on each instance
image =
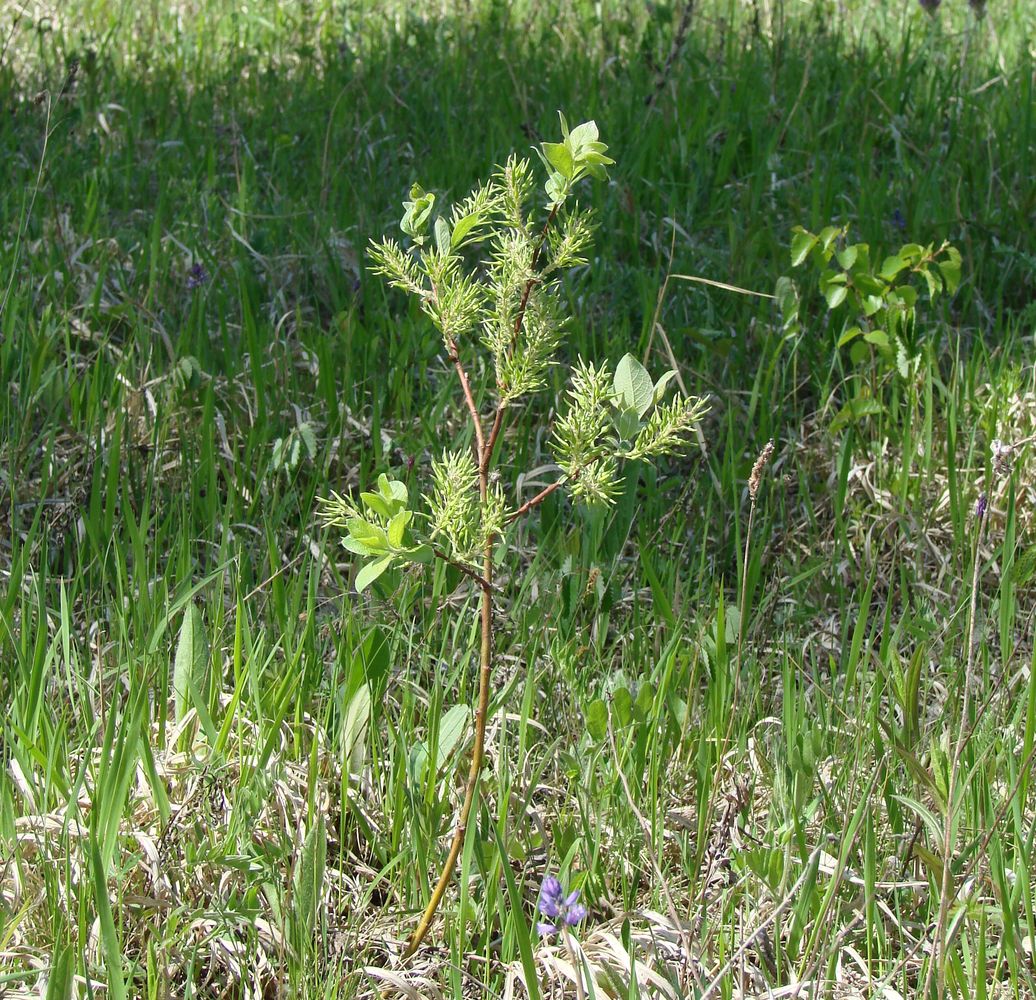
(980, 507)
(559, 909)
(196, 276)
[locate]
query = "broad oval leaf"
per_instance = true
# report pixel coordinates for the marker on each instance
(828, 235)
(560, 158)
(950, 269)
(597, 719)
(392, 490)
(376, 502)
(367, 534)
(835, 295)
(627, 424)
(891, 267)
(397, 528)
(801, 244)
(633, 385)
(847, 257)
(584, 134)
(849, 335)
(371, 572)
(358, 548)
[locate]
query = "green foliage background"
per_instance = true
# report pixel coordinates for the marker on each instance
(161, 448)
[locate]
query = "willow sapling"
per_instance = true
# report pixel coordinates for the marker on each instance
(487, 274)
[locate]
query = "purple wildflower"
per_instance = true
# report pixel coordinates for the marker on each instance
(196, 276)
(559, 909)
(930, 5)
(898, 220)
(980, 506)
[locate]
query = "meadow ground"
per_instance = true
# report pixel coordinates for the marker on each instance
(757, 768)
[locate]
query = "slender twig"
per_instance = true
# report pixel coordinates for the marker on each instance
(494, 434)
(465, 569)
(538, 499)
(469, 399)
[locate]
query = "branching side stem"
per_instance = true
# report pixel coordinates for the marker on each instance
(462, 375)
(465, 569)
(536, 500)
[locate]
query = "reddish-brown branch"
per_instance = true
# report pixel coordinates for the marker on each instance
(498, 423)
(469, 399)
(535, 501)
(466, 570)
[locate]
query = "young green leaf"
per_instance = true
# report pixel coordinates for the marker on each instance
(559, 156)
(397, 528)
(661, 385)
(847, 257)
(828, 235)
(597, 719)
(834, 291)
(461, 228)
(850, 334)
(801, 244)
(891, 267)
(369, 536)
(371, 571)
(633, 385)
(950, 268)
(376, 502)
(393, 491)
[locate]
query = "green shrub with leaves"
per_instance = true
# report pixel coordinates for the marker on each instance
(487, 273)
(877, 304)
